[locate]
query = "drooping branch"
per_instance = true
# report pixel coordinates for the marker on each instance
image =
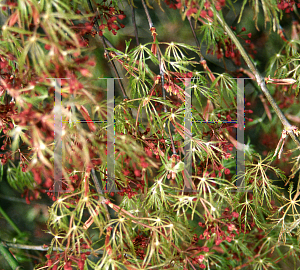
(259, 79)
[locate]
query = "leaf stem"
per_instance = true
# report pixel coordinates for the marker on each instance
(8, 219)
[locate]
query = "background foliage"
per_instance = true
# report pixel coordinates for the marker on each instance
(160, 218)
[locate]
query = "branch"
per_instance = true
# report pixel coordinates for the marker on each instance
(161, 71)
(99, 191)
(42, 248)
(108, 57)
(195, 37)
(153, 31)
(259, 79)
(134, 25)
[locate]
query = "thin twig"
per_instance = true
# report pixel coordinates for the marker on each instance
(172, 142)
(44, 248)
(203, 61)
(114, 68)
(100, 191)
(158, 55)
(162, 81)
(109, 45)
(293, 118)
(108, 57)
(161, 72)
(134, 25)
(195, 37)
(147, 14)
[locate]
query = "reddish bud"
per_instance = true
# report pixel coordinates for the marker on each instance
(47, 47)
(207, 5)
(227, 171)
(85, 72)
(121, 16)
(192, 11)
(235, 214)
(203, 13)
(114, 26)
(205, 249)
(210, 13)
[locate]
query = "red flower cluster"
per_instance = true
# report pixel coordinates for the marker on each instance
(30, 195)
(140, 243)
(287, 5)
(109, 18)
(55, 258)
(222, 231)
(231, 50)
(6, 113)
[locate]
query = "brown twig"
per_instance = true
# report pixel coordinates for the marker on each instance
(134, 25)
(155, 49)
(110, 60)
(42, 248)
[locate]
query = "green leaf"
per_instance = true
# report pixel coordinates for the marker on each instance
(18, 30)
(1, 172)
(19, 180)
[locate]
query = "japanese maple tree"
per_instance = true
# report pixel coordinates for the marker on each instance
(176, 198)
